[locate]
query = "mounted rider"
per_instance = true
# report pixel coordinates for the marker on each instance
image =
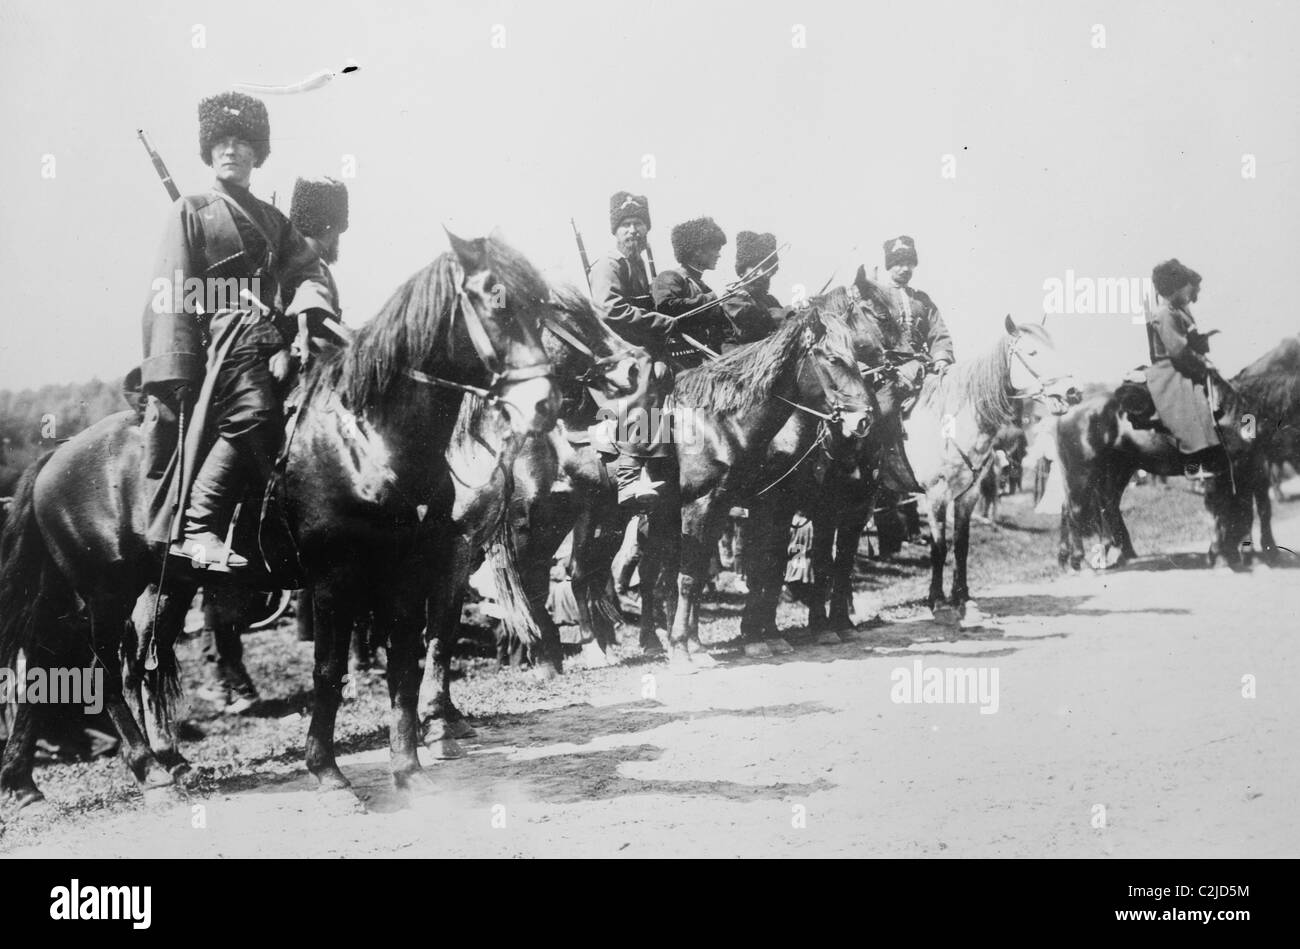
(220, 238)
(697, 244)
(1180, 375)
(319, 211)
(620, 290)
(909, 320)
(753, 312)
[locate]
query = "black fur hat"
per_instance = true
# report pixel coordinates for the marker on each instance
(320, 207)
(900, 250)
(752, 248)
(692, 235)
(233, 113)
(1171, 276)
(625, 204)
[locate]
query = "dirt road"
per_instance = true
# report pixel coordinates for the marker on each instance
(1122, 724)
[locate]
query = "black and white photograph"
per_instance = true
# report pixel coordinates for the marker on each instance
(642, 430)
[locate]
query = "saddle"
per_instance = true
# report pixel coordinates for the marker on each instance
(1134, 400)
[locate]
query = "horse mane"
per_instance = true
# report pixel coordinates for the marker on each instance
(982, 382)
(415, 322)
(742, 380)
(574, 312)
(1271, 384)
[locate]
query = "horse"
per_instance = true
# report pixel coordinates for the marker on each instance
(558, 487)
(365, 488)
(1100, 449)
(950, 436)
(733, 447)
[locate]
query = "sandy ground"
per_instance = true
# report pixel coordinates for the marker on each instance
(1121, 730)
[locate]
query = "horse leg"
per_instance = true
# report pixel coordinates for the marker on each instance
(107, 620)
(764, 526)
(443, 722)
(17, 786)
(847, 537)
(962, 508)
(158, 687)
(651, 529)
(334, 611)
(938, 511)
(698, 532)
(1264, 505)
(400, 613)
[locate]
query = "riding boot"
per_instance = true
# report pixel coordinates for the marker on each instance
(636, 489)
(213, 496)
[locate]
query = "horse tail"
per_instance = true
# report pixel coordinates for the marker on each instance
(598, 607)
(30, 580)
(516, 609)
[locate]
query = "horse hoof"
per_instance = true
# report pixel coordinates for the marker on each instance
(163, 795)
(339, 802)
(544, 672)
(758, 650)
(595, 657)
(679, 663)
(652, 646)
(181, 771)
(460, 729)
(945, 615)
(413, 782)
(829, 638)
(29, 801)
(782, 648)
(972, 616)
(445, 749)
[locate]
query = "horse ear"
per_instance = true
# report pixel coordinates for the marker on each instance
(472, 254)
(1010, 325)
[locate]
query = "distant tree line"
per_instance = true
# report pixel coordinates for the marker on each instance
(35, 420)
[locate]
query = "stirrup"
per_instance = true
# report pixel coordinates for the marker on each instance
(207, 552)
(642, 492)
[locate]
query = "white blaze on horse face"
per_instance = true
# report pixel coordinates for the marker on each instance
(532, 405)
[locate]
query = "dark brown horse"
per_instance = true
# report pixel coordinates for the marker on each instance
(1099, 450)
(366, 488)
(534, 509)
(733, 448)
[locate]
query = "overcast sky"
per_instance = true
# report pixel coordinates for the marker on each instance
(1066, 156)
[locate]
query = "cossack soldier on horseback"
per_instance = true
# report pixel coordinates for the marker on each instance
(227, 234)
(697, 244)
(1180, 375)
(620, 290)
(753, 312)
(910, 321)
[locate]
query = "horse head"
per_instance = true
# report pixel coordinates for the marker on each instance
(1037, 370)
(502, 298)
(590, 357)
(835, 380)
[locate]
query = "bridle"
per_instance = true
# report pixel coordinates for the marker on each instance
(1042, 384)
(598, 363)
(835, 400)
(499, 378)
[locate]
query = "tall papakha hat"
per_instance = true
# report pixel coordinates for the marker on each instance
(900, 250)
(233, 113)
(1171, 276)
(625, 204)
(320, 207)
(690, 236)
(752, 249)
